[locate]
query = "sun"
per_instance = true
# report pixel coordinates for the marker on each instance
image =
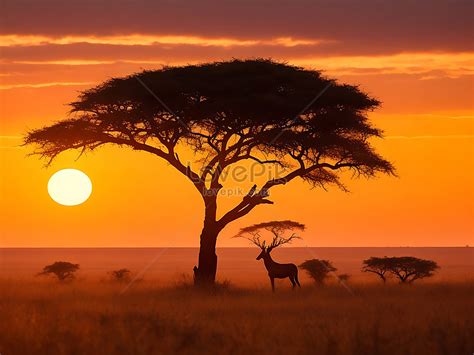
(69, 187)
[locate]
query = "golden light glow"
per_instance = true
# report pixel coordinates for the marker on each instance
(138, 39)
(69, 187)
(43, 85)
(452, 65)
(427, 116)
(428, 65)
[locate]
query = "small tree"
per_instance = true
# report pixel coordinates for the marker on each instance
(343, 277)
(378, 266)
(318, 269)
(409, 268)
(120, 275)
(276, 228)
(63, 270)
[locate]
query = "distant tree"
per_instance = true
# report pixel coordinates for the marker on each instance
(63, 270)
(272, 114)
(344, 277)
(120, 275)
(409, 268)
(378, 266)
(318, 269)
(406, 268)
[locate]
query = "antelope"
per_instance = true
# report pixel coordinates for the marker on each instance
(275, 270)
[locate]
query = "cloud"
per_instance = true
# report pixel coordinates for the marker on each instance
(435, 116)
(435, 64)
(144, 40)
(427, 65)
(42, 85)
(384, 25)
(347, 37)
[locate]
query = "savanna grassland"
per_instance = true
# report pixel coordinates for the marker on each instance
(85, 317)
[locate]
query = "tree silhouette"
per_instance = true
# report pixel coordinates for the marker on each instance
(63, 270)
(318, 270)
(261, 111)
(120, 275)
(343, 277)
(406, 268)
(409, 269)
(277, 228)
(378, 266)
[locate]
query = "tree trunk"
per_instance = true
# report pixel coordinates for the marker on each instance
(205, 272)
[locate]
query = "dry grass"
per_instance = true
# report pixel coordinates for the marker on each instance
(94, 318)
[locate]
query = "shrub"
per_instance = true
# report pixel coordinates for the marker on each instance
(120, 275)
(318, 269)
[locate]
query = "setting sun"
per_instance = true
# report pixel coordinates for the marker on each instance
(69, 187)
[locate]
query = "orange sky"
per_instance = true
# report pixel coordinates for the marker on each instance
(418, 61)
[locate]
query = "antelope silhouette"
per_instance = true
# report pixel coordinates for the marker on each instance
(275, 270)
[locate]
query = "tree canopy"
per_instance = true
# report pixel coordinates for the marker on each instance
(63, 270)
(406, 268)
(378, 266)
(277, 228)
(409, 268)
(227, 112)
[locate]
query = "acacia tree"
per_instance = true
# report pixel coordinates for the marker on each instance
(227, 113)
(63, 270)
(378, 266)
(276, 228)
(406, 268)
(409, 268)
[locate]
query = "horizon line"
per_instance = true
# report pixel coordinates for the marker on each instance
(230, 247)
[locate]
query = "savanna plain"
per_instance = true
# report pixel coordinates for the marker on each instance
(93, 315)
